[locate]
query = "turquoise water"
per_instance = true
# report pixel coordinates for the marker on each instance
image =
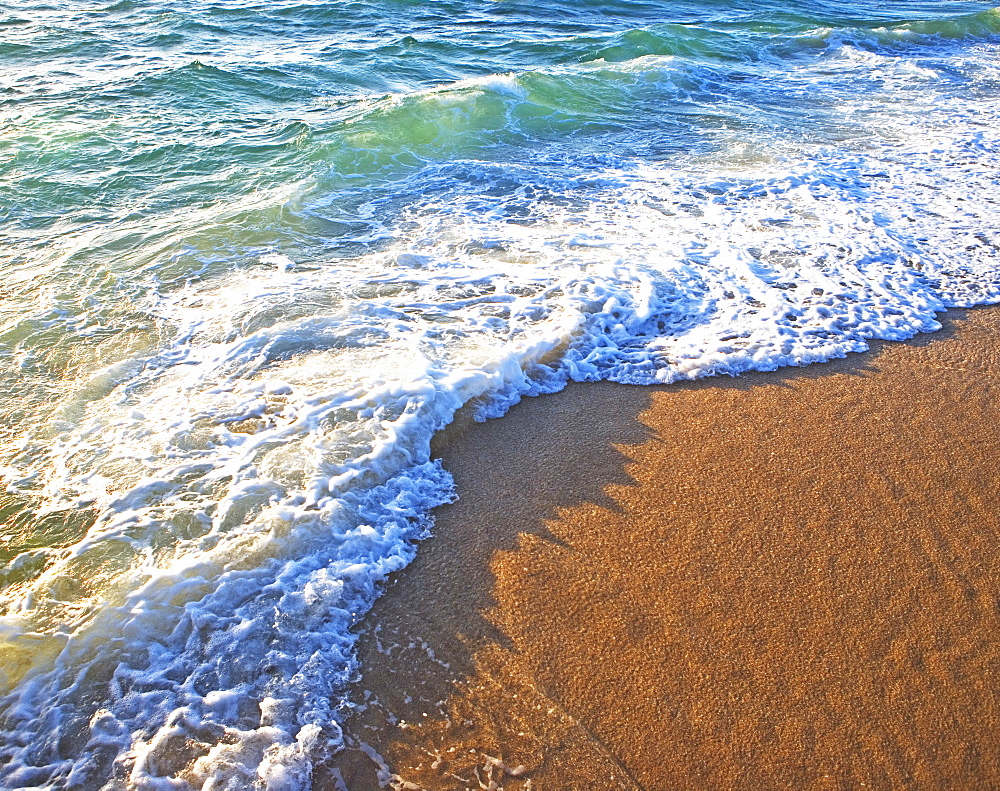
(253, 256)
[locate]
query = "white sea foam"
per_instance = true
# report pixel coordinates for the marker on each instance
(255, 478)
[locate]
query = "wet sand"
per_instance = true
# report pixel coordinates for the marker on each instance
(785, 580)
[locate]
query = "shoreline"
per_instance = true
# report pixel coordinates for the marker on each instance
(778, 580)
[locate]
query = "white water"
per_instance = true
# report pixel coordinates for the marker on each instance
(255, 477)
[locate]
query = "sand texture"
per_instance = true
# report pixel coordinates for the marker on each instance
(785, 580)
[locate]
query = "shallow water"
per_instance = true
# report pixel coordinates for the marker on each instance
(254, 256)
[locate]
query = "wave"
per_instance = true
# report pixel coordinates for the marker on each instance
(206, 511)
(255, 480)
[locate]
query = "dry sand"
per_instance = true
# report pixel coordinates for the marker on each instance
(785, 580)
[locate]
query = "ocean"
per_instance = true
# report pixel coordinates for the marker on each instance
(254, 255)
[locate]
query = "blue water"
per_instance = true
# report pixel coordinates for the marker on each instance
(253, 256)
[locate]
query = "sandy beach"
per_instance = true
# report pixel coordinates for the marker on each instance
(783, 580)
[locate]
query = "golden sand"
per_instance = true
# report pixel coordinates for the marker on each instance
(785, 580)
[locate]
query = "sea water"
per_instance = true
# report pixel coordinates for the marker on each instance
(254, 255)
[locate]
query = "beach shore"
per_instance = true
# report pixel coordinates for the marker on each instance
(782, 580)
